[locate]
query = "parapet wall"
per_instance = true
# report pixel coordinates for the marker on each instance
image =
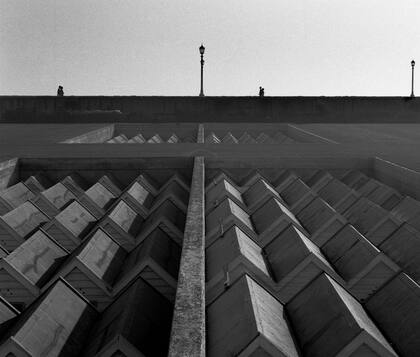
(209, 109)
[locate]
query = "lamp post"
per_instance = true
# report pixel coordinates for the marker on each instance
(202, 65)
(413, 63)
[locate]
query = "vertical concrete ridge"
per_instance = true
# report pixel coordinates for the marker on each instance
(188, 325)
(200, 134)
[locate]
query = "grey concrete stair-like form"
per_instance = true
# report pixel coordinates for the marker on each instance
(75, 183)
(138, 139)
(229, 139)
(257, 194)
(139, 198)
(156, 259)
(221, 188)
(381, 194)
(321, 221)
(93, 268)
(408, 210)
(169, 218)
(212, 139)
(110, 184)
(24, 271)
(122, 224)
(120, 139)
(155, 139)
(54, 199)
(297, 195)
(8, 314)
(354, 179)
(175, 190)
(403, 247)
(70, 226)
(229, 258)
(97, 199)
(173, 139)
(396, 309)
(263, 138)
(280, 138)
(14, 196)
(328, 322)
(58, 323)
(336, 194)
(136, 324)
(294, 262)
(373, 221)
(18, 224)
(271, 219)
(319, 179)
(38, 183)
(246, 320)
(284, 180)
(363, 266)
(224, 216)
(246, 138)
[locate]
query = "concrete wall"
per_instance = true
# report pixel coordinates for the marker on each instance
(209, 109)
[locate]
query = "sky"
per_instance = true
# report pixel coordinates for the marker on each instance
(136, 47)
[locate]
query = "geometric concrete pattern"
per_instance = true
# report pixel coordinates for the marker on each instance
(220, 239)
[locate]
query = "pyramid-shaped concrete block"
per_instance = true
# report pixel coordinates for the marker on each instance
(173, 139)
(230, 257)
(24, 271)
(122, 224)
(408, 210)
(156, 259)
(321, 221)
(58, 323)
(246, 320)
(354, 179)
(37, 183)
(139, 198)
(271, 219)
(225, 215)
(175, 191)
(17, 194)
(328, 321)
(92, 269)
(403, 247)
(294, 262)
(257, 194)
(372, 220)
(18, 224)
(110, 184)
(297, 195)
(100, 195)
(75, 183)
(338, 195)
(221, 190)
(169, 218)
(396, 308)
(363, 266)
(284, 180)
(70, 226)
(319, 179)
(137, 323)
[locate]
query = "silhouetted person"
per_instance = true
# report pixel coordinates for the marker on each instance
(261, 94)
(60, 91)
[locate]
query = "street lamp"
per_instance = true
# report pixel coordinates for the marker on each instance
(202, 65)
(413, 63)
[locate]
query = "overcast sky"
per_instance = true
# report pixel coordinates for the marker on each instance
(136, 47)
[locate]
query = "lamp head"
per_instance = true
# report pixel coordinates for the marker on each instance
(202, 48)
(413, 63)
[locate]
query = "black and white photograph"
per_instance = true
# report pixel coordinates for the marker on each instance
(224, 178)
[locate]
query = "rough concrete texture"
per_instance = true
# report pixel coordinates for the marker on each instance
(188, 326)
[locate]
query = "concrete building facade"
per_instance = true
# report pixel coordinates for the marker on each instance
(177, 226)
